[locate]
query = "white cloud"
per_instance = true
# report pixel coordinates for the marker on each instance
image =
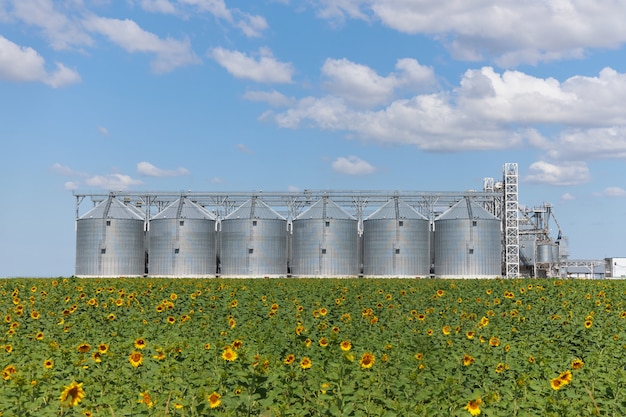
(217, 180)
(103, 130)
(293, 189)
(614, 192)
(600, 143)
(273, 98)
(252, 25)
(487, 110)
(63, 30)
(509, 31)
(158, 6)
(352, 165)
(217, 8)
(65, 170)
(146, 168)
(243, 148)
(570, 173)
(265, 69)
(170, 53)
(567, 197)
(361, 85)
(71, 185)
(112, 182)
(24, 64)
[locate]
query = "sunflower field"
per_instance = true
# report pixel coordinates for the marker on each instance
(312, 347)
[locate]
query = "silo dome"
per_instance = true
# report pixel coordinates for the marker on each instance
(253, 242)
(110, 241)
(182, 241)
(325, 242)
(396, 241)
(468, 242)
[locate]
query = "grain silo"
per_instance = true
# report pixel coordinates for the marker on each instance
(396, 241)
(324, 242)
(467, 242)
(182, 241)
(253, 242)
(110, 241)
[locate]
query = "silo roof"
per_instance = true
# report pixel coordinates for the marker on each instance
(255, 209)
(183, 208)
(466, 209)
(396, 209)
(325, 209)
(112, 208)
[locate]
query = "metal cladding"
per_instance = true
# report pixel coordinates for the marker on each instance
(527, 250)
(547, 252)
(468, 242)
(325, 242)
(396, 241)
(182, 241)
(253, 242)
(110, 241)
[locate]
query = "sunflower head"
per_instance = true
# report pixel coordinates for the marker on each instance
(306, 363)
(72, 394)
(215, 399)
(367, 360)
(473, 406)
(135, 359)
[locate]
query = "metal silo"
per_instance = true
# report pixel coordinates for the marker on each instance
(468, 242)
(325, 242)
(253, 242)
(110, 241)
(396, 241)
(182, 241)
(546, 252)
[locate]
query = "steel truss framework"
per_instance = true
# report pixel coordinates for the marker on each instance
(511, 225)
(290, 204)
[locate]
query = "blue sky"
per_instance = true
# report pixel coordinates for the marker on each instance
(213, 95)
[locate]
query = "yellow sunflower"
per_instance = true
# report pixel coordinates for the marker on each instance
(290, 359)
(367, 360)
(468, 360)
(72, 394)
(48, 363)
(556, 383)
(566, 377)
(135, 359)
(84, 347)
(145, 398)
(215, 399)
(473, 406)
(577, 363)
(306, 363)
(494, 341)
(229, 354)
(345, 345)
(140, 343)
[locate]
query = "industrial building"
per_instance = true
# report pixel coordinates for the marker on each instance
(468, 234)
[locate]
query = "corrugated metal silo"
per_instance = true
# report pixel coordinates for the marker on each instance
(325, 242)
(110, 241)
(547, 252)
(396, 241)
(182, 241)
(253, 242)
(468, 242)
